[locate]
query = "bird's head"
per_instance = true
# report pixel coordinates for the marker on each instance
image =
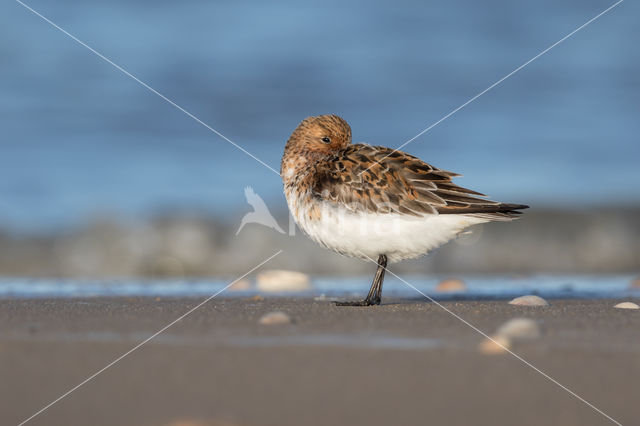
(322, 134)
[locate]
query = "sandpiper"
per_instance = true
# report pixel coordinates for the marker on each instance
(374, 202)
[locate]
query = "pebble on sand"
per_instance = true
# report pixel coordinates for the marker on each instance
(240, 285)
(496, 345)
(256, 298)
(275, 318)
(451, 284)
(514, 329)
(282, 280)
(627, 305)
(529, 300)
(519, 328)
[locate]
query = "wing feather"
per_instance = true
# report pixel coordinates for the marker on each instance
(380, 180)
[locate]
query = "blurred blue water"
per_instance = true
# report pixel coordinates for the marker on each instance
(80, 138)
(478, 287)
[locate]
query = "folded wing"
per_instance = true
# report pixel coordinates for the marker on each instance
(379, 180)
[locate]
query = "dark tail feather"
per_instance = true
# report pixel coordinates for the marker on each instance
(511, 208)
(498, 211)
(501, 212)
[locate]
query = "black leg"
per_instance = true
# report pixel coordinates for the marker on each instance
(374, 297)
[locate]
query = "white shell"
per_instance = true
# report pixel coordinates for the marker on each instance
(275, 318)
(519, 328)
(282, 280)
(240, 285)
(529, 300)
(495, 345)
(451, 284)
(627, 305)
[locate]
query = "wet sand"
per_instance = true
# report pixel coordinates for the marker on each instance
(406, 362)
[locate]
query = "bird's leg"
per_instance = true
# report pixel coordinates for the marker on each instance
(375, 292)
(382, 268)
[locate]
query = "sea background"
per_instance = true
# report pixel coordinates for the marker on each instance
(99, 177)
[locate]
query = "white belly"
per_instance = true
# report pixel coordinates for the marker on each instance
(367, 235)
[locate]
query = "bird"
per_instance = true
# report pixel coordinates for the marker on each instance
(260, 214)
(373, 202)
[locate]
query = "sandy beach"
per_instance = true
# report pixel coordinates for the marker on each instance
(405, 362)
(284, 154)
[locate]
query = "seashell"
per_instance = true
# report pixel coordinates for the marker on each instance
(627, 305)
(519, 328)
(282, 280)
(275, 318)
(498, 345)
(240, 285)
(529, 300)
(451, 284)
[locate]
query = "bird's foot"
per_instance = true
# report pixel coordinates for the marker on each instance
(365, 302)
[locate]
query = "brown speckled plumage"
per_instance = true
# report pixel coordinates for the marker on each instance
(375, 179)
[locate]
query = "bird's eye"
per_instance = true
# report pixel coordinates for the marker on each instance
(326, 140)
